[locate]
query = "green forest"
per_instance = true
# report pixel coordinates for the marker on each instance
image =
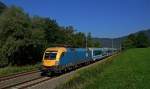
(24, 38)
(139, 40)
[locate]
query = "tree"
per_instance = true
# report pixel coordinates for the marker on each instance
(16, 46)
(51, 31)
(139, 40)
(89, 40)
(38, 36)
(96, 44)
(79, 40)
(142, 40)
(129, 42)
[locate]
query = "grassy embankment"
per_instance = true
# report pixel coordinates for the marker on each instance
(14, 69)
(129, 70)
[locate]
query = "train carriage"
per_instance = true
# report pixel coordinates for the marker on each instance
(96, 53)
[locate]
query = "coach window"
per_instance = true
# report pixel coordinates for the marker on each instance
(97, 53)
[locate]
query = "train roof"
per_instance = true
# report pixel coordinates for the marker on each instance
(56, 49)
(67, 49)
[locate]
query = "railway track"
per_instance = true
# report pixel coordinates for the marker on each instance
(3, 78)
(32, 83)
(27, 84)
(17, 79)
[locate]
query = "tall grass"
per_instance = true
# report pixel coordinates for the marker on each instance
(15, 69)
(129, 70)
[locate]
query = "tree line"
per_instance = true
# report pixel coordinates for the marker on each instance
(24, 38)
(139, 40)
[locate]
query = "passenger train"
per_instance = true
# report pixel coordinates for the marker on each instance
(61, 59)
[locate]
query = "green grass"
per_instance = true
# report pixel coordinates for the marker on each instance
(129, 70)
(14, 69)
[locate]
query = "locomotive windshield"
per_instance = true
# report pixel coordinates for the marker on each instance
(50, 55)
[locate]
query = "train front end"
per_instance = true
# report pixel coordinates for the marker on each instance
(51, 58)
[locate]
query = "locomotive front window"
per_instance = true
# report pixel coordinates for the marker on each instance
(50, 55)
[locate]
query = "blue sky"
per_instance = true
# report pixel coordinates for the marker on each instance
(103, 18)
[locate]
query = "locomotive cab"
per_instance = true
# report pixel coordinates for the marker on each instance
(52, 56)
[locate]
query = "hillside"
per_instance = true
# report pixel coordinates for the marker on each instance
(129, 70)
(107, 42)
